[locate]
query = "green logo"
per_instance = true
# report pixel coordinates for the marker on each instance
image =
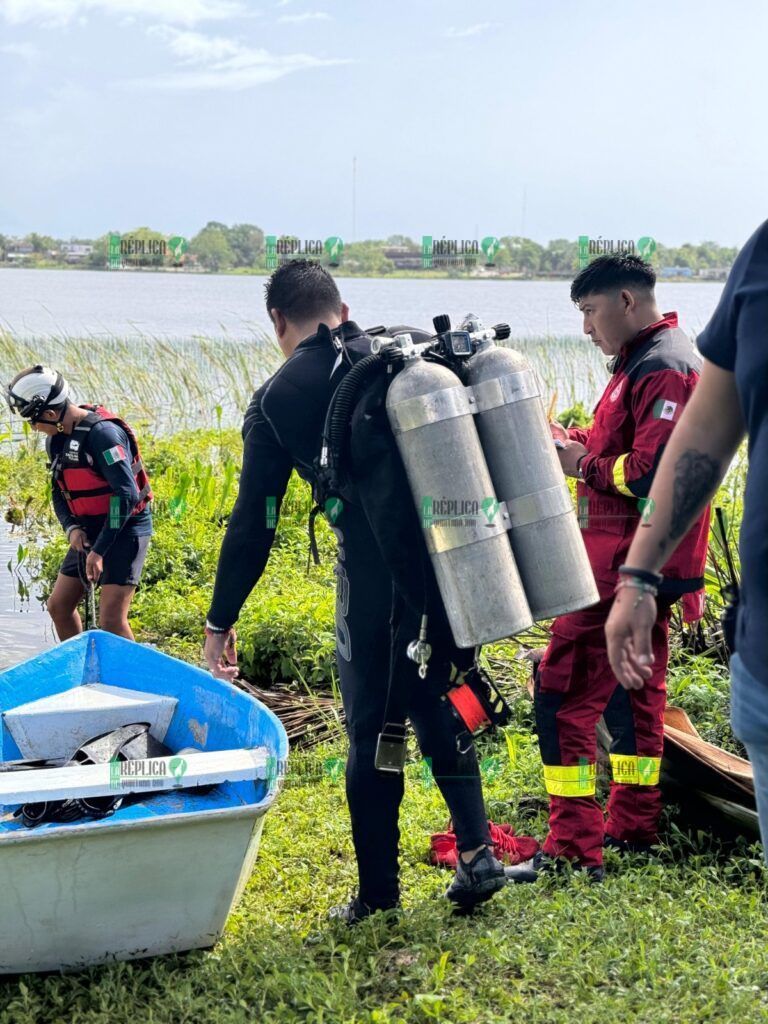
(115, 517)
(646, 247)
(583, 251)
(334, 247)
(271, 510)
(490, 507)
(490, 246)
(178, 766)
(114, 257)
(645, 767)
(333, 767)
(178, 246)
(426, 252)
(646, 506)
(271, 249)
(333, 508)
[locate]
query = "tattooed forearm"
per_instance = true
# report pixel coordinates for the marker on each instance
(696, 477)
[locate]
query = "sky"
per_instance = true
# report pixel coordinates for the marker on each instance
(545, 118)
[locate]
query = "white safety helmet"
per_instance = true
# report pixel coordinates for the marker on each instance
(36, 389)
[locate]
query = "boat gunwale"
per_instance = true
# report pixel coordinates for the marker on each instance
(177, 818)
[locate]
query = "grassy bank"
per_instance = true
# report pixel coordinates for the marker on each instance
(679, 938)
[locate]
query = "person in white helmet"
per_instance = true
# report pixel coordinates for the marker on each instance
(101, 497)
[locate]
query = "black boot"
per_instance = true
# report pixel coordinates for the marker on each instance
(356, 911)
(476, 881)
(627, 845)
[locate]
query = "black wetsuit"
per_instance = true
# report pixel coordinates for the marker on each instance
(282, 430)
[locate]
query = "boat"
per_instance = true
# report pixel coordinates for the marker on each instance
(161, 872)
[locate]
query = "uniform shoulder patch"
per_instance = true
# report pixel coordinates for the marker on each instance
(665, 409)
(113, 455)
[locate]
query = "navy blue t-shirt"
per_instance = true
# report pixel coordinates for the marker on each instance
(102, 439)
(736, 339)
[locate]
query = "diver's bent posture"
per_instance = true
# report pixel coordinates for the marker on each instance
(282, 431)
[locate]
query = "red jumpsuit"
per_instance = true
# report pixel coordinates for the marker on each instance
(653, 378)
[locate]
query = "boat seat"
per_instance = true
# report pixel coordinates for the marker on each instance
(56, 726)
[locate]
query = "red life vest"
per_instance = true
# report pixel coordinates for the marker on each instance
(85, 490)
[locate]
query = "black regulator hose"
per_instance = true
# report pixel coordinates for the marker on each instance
(336, 428)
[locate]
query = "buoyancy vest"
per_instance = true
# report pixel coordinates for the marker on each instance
(85, 490)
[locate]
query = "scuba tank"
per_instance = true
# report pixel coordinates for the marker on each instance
(431, 418)
(526, 473)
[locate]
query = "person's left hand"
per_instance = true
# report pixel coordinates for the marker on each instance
(569, 456)
(94, 567)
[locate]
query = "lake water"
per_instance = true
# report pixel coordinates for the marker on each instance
(124, 303)
(25, 628)
(60, 304)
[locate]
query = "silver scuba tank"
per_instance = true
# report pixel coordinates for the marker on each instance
(527, 477)
(464, 529)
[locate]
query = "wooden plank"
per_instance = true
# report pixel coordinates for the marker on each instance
(151, 775)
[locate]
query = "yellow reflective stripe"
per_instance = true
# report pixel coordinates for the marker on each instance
(631, 770)
(618, 476)
(570, 780)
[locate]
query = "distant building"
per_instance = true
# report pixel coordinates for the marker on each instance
(676, 272)
(713, 273)
(18, 251)
(74, 252)
(404, 258)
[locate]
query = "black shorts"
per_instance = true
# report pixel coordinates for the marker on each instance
(122, 563)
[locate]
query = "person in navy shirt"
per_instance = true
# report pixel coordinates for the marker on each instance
(101, 498)
(730, 401)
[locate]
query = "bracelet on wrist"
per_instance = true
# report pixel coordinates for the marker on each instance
(212, 630)
(654, 578)
(634, 584)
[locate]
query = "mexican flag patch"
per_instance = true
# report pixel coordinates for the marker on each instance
(663, 409)
(113, 455)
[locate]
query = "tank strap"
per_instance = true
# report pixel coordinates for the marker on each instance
(314, 554)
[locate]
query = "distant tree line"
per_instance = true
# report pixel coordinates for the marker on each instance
(218, 247)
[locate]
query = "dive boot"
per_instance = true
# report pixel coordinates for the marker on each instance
(476, 881)
(355, 911)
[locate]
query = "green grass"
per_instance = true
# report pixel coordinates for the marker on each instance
(680, 938)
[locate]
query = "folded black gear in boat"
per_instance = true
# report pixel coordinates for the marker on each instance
(129, 743)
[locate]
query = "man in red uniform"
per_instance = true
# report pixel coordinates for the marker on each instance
(654, 371)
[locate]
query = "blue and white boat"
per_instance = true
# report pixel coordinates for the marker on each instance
(161, 873)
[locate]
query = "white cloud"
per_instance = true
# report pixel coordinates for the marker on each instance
(25, 51)
(216, 62)
(470, 30)
(62, 12)
(308, 16)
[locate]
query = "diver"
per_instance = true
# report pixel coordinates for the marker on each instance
(282, 431)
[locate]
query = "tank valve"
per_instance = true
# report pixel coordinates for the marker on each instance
(419, 650)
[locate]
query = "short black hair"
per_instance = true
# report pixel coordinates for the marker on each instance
(302, 290)
(612, 273)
